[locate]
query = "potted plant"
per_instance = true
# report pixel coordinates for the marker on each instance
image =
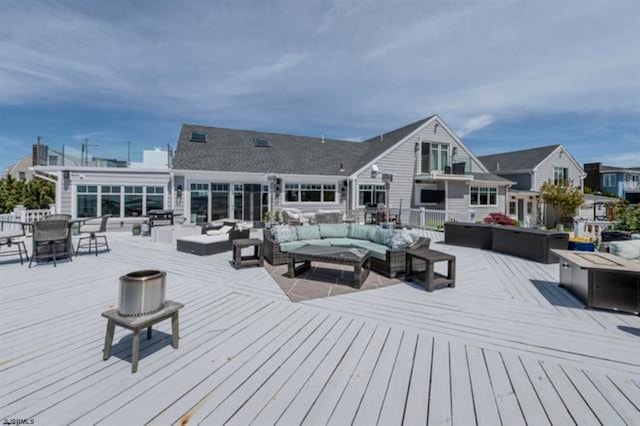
(266, 219)
(276, 217)
(136, 229)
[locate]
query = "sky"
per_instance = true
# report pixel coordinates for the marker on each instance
(503, 74)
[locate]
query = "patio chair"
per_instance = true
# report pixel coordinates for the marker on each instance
(93, 233)
(52, 236)
(14, 238)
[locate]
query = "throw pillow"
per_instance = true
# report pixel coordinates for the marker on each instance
(383, 236)
(629, 250)
(284, 233)
(311, 232)
(635, 236)
(402, 239)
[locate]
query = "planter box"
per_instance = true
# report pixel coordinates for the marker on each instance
(476, 235)
(533, 244)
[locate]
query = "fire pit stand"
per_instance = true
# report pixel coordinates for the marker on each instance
(137, 323)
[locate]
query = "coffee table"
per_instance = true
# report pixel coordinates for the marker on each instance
(360, 259)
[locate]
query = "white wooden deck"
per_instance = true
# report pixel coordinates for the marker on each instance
(506, 346)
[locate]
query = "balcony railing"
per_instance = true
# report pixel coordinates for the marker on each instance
(631, 186)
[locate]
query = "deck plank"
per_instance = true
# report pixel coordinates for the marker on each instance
(507, 345)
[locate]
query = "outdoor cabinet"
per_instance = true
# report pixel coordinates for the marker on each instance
(476, 235)
(533, 244)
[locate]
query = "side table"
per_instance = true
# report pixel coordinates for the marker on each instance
(136, 323)
(257, 259)
(428, 277)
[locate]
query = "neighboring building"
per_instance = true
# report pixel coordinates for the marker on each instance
(219, 173)
(529, 169)
(239, 173)
(41, 155)
(615, 181)
(108, 186)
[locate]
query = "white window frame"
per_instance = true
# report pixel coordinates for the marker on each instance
(439, 148)
(609, 180)
(488, 188)
(291, 186)
(374, 188)
(561, 169)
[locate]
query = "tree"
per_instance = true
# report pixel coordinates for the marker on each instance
(564, 197)
(35, 194)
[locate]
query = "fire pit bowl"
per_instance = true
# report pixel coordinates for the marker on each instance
(142, 292)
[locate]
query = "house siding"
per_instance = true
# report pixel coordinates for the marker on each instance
(459, 198)
(559, 158)
(404, 163)
(65, 199)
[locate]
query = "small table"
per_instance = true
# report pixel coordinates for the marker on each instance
(136, 323)
(428, 277)
(360, 259)
(239, 261)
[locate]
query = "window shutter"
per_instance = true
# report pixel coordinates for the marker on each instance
(426, 157)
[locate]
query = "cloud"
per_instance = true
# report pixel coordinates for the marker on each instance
(475, 123)
(89, 135)
(630, 159)
(337, 67)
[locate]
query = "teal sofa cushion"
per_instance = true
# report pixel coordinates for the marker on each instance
(291, 245)
(379, 251)
(337, 230)
(629, 250)
(284, 233)
(318, 242)
(310, 232)
(339, 242)
(383, 236)
(362, 232)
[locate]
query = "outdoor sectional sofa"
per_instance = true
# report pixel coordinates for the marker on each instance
(384, 259)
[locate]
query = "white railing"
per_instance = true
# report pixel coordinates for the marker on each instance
(631, 186)
(21, 214)
(591, 228)
(432, 219)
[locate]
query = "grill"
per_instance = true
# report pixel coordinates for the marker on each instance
(142, 292)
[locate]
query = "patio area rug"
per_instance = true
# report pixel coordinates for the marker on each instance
(323, 280)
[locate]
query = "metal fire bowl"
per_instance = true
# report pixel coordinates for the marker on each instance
(142, 292)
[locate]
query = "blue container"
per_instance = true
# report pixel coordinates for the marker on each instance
(577, 246)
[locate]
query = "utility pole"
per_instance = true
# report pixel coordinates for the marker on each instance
(128, 153)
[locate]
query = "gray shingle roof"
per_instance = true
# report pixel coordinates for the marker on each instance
(489, 177)
(525, 159)
(235, 151)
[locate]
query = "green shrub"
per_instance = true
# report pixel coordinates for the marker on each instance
(628, 219)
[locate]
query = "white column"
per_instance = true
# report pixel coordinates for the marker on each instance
(99, 200)
(144, 200)
(74, 201)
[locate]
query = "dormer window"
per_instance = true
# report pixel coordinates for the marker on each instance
(263, 143)
(198, 137)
